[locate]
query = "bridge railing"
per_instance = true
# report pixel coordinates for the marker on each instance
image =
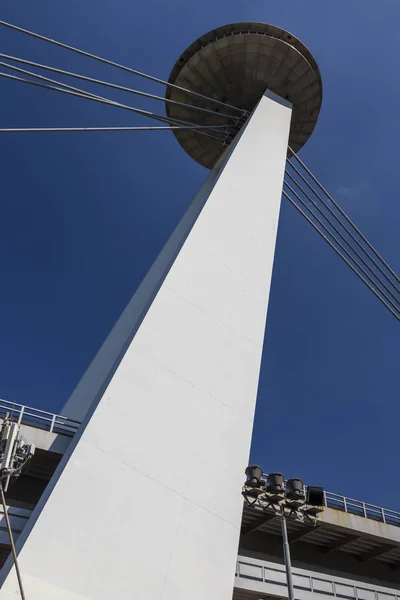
(362, 509)
(269, 578)
(26, 415)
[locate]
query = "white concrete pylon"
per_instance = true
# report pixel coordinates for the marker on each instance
(146, 503)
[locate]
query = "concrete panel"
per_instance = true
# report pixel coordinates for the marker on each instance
(197, 561)
(146, 502)
(355, 523)
(321, 585)
(227, 371)
(39, 588)
(209, 429)
(344, 591)
(45, 440)
(101, 526)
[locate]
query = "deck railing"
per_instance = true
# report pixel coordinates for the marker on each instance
(362, 509)
(26, 415)
(270, 579)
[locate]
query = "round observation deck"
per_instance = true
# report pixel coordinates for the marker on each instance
(235, 64)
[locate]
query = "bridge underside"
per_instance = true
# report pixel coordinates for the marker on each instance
(359, 547)
(249, 595)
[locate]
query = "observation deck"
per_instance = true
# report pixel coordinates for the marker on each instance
(235, 64)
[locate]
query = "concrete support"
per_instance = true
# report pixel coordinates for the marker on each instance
(146, 503)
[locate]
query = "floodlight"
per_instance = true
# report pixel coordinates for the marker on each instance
(294, 489)
(315, 496)
(253, 474)
(275, 483)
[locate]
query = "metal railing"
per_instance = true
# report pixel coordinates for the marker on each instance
(26, 415)
(362, 509)
(356, 507)
(267, 577)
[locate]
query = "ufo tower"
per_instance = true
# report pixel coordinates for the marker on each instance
(146, 501)
(236, 64)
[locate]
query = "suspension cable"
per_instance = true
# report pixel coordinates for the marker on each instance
(370, 246)
(340, 254)
(341, 246)
(345, 227)
(55, 129)
(114, 86)
(81, 91)
(105, 101)
(119, 66)
(396, 299)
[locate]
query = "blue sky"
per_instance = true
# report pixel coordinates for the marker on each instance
(82, 217)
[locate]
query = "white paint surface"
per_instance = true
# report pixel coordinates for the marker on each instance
(146, 503)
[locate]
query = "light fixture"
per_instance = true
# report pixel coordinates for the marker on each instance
(275, 483)
(286, 499)
(315, 496)
(295, 489)
(254, 474)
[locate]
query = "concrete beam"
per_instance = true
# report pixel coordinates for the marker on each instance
(300, 534)
(266, 517)
(384, 549)
(340, 543)
(358, 524)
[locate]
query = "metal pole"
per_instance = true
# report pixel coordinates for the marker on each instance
(12, 542)
(286, 554)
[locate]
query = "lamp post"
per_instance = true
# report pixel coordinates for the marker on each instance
(286, 555)
(287, 499)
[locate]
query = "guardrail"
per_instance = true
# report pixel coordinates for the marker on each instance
(41, 419)
(362, 509)
(269, 578)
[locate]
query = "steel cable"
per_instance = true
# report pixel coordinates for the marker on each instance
(359, 256)
(311, 222)
(81, 91)
(370, 279)
(347, 219)
(66, 129)
(119, 66)
(113, 85)
(88, 96)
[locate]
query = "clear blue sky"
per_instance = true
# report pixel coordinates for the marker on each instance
(84, 215)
